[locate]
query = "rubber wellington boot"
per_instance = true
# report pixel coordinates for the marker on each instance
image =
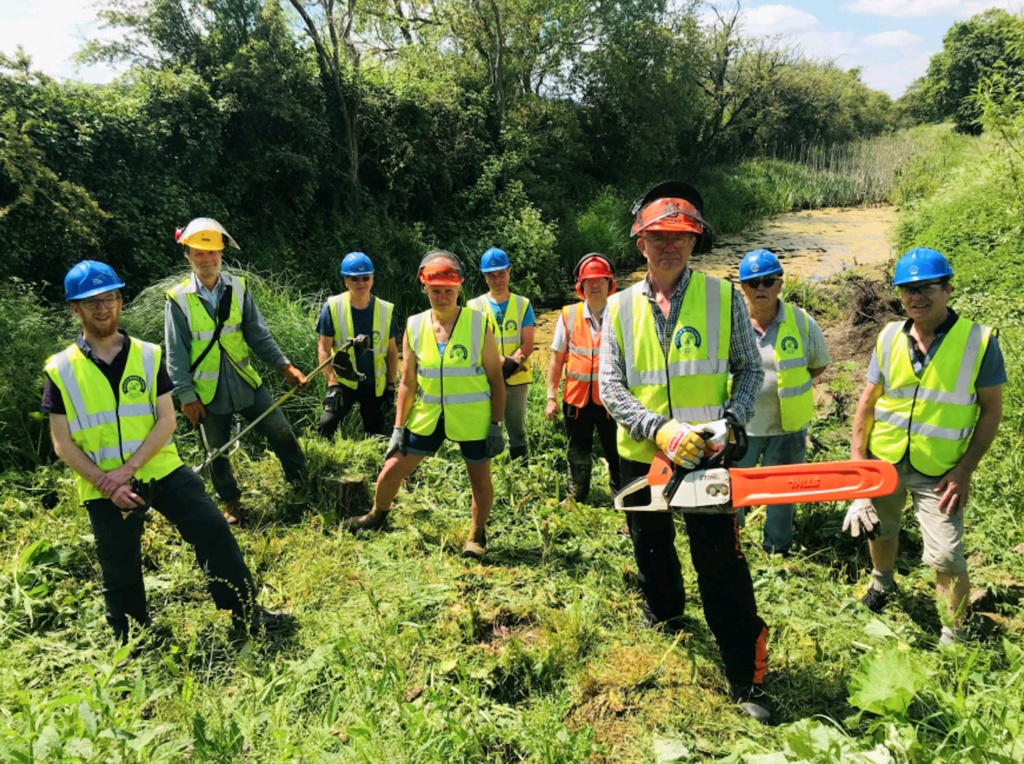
(476, 544)
(371, 521)
(234, 513)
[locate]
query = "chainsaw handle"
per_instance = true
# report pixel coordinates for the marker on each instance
(734, 450)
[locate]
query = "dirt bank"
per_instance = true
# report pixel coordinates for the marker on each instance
(812, 244)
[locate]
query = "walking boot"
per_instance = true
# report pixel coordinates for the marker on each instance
(234, 512)
(476, 544)
(752, 700)
(579, 480)
(518, 452)
(372, 521)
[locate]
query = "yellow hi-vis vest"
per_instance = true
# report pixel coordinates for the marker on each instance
(202, 325)
(510, 334)
(108, 429)
(796, 393)
(690, 384)
(455, 384)
(933, 416)
(341, 315)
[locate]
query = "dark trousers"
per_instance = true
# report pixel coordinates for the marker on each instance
(580, 423)
(183, 500)
(371, 410)
(723, 578)
(275, 428)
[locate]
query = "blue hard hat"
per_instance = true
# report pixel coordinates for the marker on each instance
(921, 264)
(760, 262)
(89, 278)
(356, 264)
(494, 259)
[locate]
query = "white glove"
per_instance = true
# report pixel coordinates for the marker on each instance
(681, 442)
(396, 444)
(861, 518)
(716, 434)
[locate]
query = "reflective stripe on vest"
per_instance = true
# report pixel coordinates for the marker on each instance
(341, 307)
(796, 391)
(691, 384)
(933, 416)
(581, 362)
(510, 334)
(202, 325)
(455, 384)
(108, 429)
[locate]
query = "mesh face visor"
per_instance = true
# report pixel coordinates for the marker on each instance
(440, 268)
(668, 214)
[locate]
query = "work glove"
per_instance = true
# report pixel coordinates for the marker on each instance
(509, 367)
(681, 442)
(716, 435)
(294, 377)
(333, 399)
(862, 519)
(495, 440)
(397, 443)
(195, 411)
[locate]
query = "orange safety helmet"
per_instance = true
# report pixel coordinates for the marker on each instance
(673, 206)
(593, 266)
(440, 268)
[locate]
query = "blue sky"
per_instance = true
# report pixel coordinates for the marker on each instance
(890, 40)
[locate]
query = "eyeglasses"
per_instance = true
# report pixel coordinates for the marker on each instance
(360, 279)
(107, 302)
(926, 289)
(766, 281)
(660, 240)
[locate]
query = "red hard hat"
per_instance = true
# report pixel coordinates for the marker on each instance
(668, 214)
(441, 268)
(594, 266)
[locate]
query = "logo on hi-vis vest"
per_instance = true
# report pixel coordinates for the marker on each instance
(458, 352)
(510, 326)
(688, 340)
(134, 387)
(376, 339)
(789, 344)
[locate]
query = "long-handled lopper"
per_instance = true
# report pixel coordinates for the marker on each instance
(715, 488)
(343, 367)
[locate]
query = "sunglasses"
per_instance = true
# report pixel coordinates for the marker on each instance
(767, 282)
(360, 279)
(107, 302)
(925, 289)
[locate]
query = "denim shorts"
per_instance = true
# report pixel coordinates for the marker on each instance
(473, 451)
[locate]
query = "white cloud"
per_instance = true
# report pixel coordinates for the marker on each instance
(893, 76)
(768, 20)
(832, 45)
(51, 35)
(903, 8)
(894, 39)
(980, 6)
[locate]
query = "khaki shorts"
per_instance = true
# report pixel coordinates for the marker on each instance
(943, 534)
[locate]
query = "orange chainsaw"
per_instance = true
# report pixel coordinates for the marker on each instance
(716, 488)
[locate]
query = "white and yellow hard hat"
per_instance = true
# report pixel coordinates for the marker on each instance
(205, 234)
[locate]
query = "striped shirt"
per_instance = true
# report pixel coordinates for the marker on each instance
(744, 365)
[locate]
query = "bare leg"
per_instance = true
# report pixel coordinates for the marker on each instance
(883, 553)
(483, 492)
(396, 469)
(953, 590)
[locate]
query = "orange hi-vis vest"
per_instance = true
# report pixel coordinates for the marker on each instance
(582, 359)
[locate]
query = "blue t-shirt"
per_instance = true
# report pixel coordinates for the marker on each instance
(362, 323)
(991, 373)
(500, 308)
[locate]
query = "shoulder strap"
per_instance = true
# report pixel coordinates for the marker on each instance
(223, 311)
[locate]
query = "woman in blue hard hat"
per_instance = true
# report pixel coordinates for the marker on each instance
(793, 352)
(350, 314)
(931, 406)
(512, 319)
(108, 396)
(451, 388)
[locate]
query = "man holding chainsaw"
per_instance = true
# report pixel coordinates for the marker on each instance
(931, 407)
(358, 312)
(108, 396)
(211, 325)
(793, 352)
(576, 347)
(668, 350)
